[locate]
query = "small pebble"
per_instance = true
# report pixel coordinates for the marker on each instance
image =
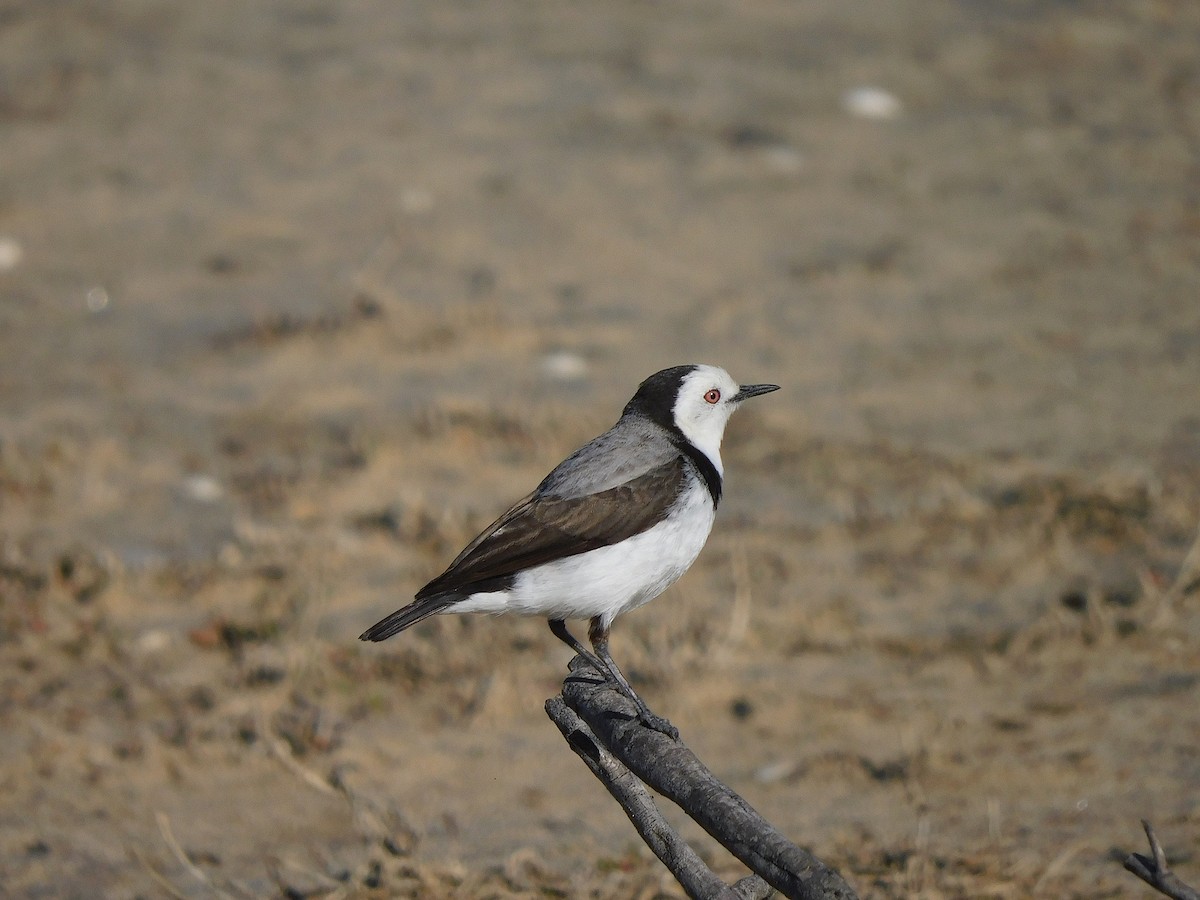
(10, 253)
(871, 103)
(565, 366)
(776, 771)
(741, 708)
(202, 488)
(96, 299)
(154, 641)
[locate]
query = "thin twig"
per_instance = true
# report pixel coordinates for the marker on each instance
(1189, 572)
(168, 836)
(1153, 870)
(1058, 864)
(161, 880)
(285, 756)
(1165, 603)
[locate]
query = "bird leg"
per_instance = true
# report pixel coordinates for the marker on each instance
(603, 663)
(559, 628)
(598, 635)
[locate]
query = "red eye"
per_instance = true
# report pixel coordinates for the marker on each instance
(713, 396)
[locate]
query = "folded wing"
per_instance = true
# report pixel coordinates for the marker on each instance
(540, 529)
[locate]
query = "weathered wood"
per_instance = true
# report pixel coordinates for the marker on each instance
(672, 770)
(685, 864)
(1153, 870)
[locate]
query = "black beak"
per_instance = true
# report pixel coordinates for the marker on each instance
(746, 391)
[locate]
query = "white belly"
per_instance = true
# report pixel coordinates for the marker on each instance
(611, 580)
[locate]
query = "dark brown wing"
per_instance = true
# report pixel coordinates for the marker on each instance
(540, 529)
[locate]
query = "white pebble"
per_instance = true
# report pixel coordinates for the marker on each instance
(96, 299)
(154, 641)
(10, 253)
(202, 488)
(776, 771)
(871, 103)
(565, 366)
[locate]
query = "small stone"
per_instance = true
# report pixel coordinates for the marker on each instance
(871, 103)
(202, 488)
(565, 366)
(96, 299)
(154, 641)
(11, 253)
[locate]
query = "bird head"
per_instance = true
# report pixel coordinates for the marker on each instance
(695, 401)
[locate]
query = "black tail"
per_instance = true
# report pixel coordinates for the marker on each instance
(409, 615)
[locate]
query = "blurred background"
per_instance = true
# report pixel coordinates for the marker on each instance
(295, 296)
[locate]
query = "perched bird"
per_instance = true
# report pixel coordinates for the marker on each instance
(613, 526)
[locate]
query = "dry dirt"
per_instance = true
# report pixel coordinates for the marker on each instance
(296, 295)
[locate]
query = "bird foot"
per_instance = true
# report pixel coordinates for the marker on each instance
(659, 724)
(586, 666)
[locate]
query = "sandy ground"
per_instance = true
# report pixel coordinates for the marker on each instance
(297, 295)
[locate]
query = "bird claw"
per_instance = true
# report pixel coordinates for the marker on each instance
(659, 724)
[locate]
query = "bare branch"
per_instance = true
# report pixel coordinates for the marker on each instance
(672, 770)
(687, 867)
(1153, 870)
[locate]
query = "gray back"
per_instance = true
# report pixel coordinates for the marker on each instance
(632, 447)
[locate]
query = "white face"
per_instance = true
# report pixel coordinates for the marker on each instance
(704, 405)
